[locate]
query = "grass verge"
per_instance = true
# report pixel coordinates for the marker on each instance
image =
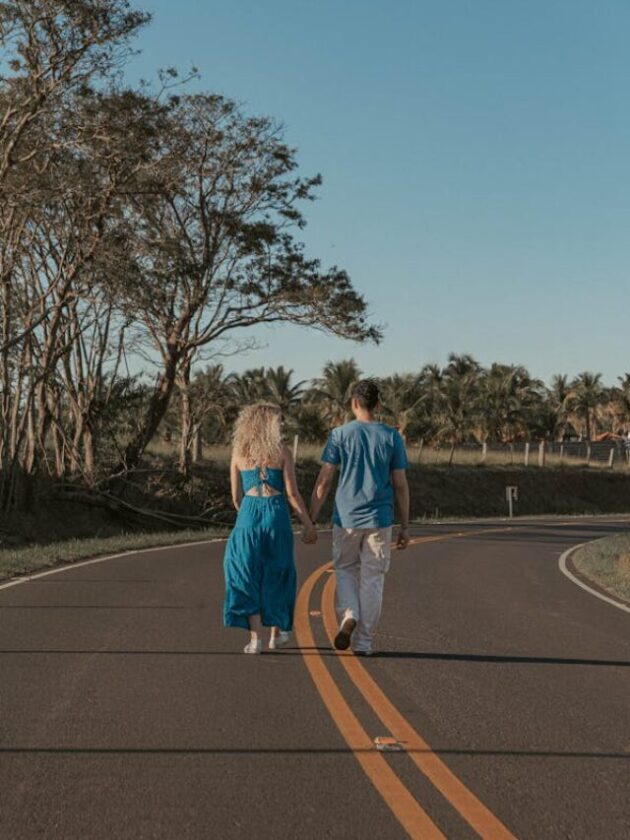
(21, 561)
(606, 563)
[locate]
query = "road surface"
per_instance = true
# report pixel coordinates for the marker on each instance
(128, 711)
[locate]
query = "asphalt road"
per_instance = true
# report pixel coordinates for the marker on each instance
(127, 711)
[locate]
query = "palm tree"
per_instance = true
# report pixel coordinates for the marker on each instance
(620, 402)
(426, 421)
(559, 400)
(462, 364)
(280, 390)
(212, 404)
(401, 396)
(309, 423)
(586, 395)
(333, 389)
(509, 396)
(247, 387)
(457, 402)
(200, 414)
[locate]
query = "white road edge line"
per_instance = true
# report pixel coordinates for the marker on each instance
(69, 566)
(25, 578)
(562, 564)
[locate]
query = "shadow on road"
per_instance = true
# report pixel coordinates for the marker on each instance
(301, 751)
(328, 651)
(287, 651)
(482, 657)
(97, 607)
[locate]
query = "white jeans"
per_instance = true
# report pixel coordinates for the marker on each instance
(361, 558)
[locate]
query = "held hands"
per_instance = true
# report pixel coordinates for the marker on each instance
(309, 534)
(402, 540)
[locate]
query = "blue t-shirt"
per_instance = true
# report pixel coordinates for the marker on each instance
(366, 454)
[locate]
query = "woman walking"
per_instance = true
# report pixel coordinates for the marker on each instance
(260, 578)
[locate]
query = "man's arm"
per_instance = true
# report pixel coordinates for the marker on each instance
(401, 492)
(322, 489)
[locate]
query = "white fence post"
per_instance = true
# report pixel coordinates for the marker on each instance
(611, 458)
(541, 453)
(526, 458)
(484, 452)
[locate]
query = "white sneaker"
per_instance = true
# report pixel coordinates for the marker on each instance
(282, 638)
(253, 646)
(344, 634)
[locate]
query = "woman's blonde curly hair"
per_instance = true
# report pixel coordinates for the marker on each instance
(257, 437)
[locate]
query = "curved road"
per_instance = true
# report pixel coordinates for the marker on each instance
(127, 711)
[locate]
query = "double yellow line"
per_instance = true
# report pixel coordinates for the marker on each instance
(397, 796)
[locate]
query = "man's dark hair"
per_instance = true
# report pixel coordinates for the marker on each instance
(366, 393)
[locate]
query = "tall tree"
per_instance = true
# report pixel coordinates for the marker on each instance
(217, 247)
(586, 395)
(401, 397)
(208, 393)
(509, 396)
(458, 400)
(620, 399)
(282, 390)
(559, 400)
(247, 387)
(53, 49)
(333, 389)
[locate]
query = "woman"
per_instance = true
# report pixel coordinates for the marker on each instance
(260, 579)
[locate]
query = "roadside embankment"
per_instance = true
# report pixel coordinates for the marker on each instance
(438, 492)
(606, 564)
(56, 529)
(24, 560)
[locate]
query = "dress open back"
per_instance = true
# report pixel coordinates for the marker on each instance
(260, 576)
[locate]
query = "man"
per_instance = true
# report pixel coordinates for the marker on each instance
(372, 461)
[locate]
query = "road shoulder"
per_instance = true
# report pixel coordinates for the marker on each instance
(602, 568)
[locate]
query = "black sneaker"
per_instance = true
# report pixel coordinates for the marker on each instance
(344, 634)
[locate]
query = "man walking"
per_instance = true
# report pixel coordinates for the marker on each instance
(372, 461)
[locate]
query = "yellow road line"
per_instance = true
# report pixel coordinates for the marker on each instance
(476, 814)
(404, 806)
(453, 535)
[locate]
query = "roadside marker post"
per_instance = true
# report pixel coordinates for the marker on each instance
(511, 494)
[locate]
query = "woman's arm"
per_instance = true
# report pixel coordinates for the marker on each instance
(235, 484)
(293, 495)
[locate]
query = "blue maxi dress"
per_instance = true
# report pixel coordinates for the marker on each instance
(260, 577)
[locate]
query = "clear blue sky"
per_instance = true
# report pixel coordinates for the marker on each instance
(476, 163)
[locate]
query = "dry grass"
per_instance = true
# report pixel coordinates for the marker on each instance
(467, 457)
(23, 560)
(607, 563)
(464, 456)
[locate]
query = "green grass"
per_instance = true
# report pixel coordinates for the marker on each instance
(21, 561)
(606, 562)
